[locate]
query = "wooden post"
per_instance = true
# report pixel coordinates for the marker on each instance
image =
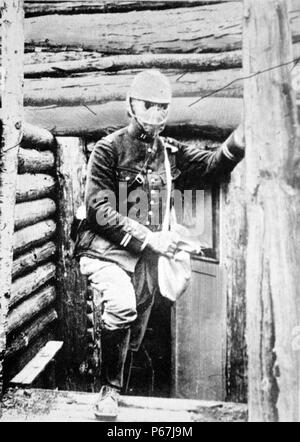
(12, 119)
(233, 239)
(71, 171)
(273, 215)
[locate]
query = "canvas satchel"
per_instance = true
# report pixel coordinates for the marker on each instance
(174, 274)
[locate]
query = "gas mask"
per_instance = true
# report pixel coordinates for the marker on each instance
(151, 116)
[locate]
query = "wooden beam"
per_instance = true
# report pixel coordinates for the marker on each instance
(34, 9)
(217, 116)
(71, 172)
(233, 249)
(12, 118)
(14, 365)
(33, 236)
(34, 161)
(65, 63)
(38, 364)
(273, 214)
(26, 285)
(33, 212)
(33, 258)
(37, 138)
(211, 117)
(32, 306)
(32, 187)
(97, 88)
(212, 28)
(25, 336)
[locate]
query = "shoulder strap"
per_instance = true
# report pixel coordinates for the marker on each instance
(166, 222)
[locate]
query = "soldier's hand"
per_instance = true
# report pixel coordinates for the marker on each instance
(239, 133)
(239, 136)
(163, 243)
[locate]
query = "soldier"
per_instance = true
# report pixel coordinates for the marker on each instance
(119, 252)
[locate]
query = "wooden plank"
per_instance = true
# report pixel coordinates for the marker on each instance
(273, 202)
(26, 285)
(32, 187)
(71, 171)
(16, 364)
(33, 212)
(33, 258)
(33, 236)
(12, 33)
(212, 28)
(31, 307)
(25, 336)
(38, 364)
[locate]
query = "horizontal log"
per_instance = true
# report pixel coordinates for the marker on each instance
(32, 212)
(33, 258)
(35, 9)
(24, 286)
(26, 311)
(66, 63)
(33, 236)
(212, 28)
(37, 138)
(99, 88)
(32, 187)
(212, 115)
(34, 161)
(31, 332)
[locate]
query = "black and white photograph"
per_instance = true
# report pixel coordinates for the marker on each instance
(150, 214)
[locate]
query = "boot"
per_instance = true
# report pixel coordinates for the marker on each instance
(114, 348)
(106, 407)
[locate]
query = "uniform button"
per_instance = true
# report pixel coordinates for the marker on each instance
(152, 202)
(150, 171)
(127, 178)
(149, 150)
(150, 213)
(147, 223)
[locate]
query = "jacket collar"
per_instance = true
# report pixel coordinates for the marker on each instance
(136, 131)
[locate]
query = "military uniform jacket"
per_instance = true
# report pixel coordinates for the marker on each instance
(121, 165)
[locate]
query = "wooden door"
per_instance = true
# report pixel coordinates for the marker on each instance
(199, 320)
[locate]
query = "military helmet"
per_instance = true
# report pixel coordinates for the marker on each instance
(151, 85)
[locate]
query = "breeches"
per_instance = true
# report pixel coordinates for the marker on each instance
(124, 299)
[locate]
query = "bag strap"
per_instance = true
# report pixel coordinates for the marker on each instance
(166, 222)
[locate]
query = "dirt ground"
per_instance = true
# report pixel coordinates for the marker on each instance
(53, 405)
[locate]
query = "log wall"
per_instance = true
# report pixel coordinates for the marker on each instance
(91, 71)
(32, 312)
(75, 84)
